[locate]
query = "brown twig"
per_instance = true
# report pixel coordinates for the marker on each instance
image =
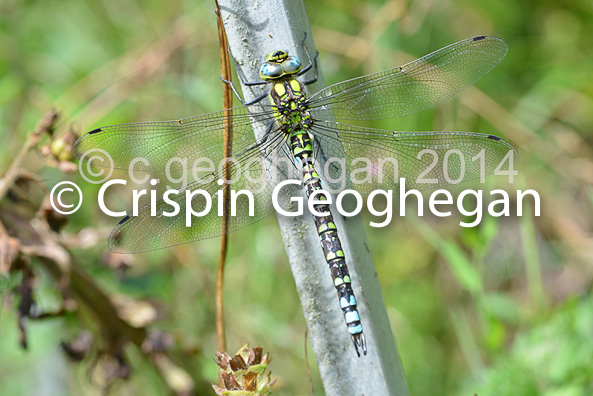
(46, 125)
(227, 99)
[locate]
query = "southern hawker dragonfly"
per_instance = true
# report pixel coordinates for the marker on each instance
(302, 129)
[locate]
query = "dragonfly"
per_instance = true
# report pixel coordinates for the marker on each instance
(306, 130)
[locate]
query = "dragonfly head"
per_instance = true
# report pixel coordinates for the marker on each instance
(279, 64)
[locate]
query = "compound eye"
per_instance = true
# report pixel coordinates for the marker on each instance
(291, 65)
(270, 71)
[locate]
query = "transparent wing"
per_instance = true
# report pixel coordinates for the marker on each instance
(183, 144)
(367, 159)
(174, 145)
(157, 228)
(408, 89)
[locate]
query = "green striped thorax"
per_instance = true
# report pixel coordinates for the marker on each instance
(287, 94)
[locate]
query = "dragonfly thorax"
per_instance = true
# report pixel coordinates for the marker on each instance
(290, 104)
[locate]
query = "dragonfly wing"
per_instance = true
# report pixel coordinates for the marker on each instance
(155, 228)
(174, 145)
(411, 88)
(377, 159)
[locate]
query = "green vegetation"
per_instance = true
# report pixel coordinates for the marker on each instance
(500, 309)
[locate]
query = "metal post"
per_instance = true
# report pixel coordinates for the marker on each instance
(254, 29)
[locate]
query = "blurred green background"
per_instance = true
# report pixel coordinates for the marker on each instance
(501, 309)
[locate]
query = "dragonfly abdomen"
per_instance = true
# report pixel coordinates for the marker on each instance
(291, 111)
(300, 144)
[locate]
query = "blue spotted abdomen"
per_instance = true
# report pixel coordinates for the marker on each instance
(300, 145)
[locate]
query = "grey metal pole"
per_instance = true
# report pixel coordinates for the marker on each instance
(254, 29)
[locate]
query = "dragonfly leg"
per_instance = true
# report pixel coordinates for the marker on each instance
(312, 62)
(314, 79)
(259, 98)
(234, 90)
(245, 83)
(308, 67)
(242, 77)
(286, 151)
(267, 134)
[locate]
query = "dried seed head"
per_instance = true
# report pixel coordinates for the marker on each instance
(244, 374)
